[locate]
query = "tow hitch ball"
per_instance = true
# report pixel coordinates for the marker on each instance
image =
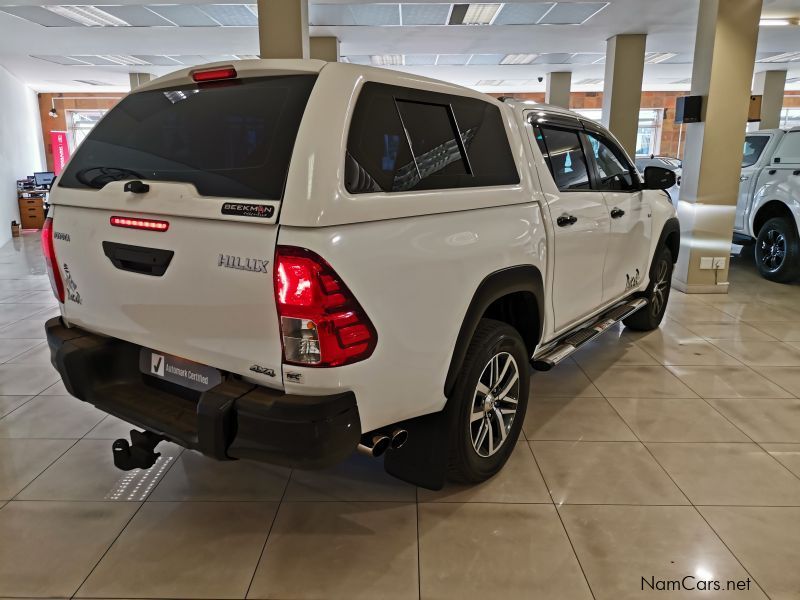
(139, 453)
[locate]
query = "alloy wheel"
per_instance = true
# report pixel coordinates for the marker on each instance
(494, 404)
(660, 288)
(773, 250)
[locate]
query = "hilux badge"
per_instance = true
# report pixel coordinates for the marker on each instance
(256, 265)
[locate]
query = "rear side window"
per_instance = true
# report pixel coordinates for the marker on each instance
(403, 139)
(228, 139)
(789, 149)
(753, 147)
(564, 154)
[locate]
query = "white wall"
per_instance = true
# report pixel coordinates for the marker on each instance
(21, 150)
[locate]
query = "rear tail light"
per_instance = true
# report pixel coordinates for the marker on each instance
(214, 74)
(48, 248)
(322, 323)
(147, 224)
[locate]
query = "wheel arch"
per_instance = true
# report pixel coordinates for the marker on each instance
(514, 295)
(770, 210)
(670, 237)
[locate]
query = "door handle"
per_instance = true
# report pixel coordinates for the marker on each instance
(616, 213)
(566, 220)
(797, 172)
(772, 171)
(744, 177)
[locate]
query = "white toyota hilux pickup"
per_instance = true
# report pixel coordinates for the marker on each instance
(289, 260)
(768, 208)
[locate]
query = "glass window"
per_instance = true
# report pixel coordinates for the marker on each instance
(564, 154)
(612, 168)
(230, 140)
(753, 147)
(789, 149)
(387, 118)
(79, 124)
(790, 117)
(648, 135)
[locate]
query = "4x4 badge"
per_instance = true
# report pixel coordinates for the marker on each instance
(256, 265)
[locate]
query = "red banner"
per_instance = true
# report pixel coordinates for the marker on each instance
(60, 149)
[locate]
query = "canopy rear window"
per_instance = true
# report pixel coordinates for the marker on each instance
(229, 139)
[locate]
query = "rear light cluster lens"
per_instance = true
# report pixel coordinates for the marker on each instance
(322, 324)
(140, 224)
(49, 250)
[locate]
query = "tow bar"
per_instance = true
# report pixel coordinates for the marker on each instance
(139, 453)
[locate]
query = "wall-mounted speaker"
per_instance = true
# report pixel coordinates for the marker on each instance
(688, 109)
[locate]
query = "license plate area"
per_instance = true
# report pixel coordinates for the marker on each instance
(178, 371)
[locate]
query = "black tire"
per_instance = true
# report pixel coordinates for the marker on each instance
(657, 294)
(470, 462)
(778, 251)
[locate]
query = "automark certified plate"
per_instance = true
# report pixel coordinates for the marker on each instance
(178, 370)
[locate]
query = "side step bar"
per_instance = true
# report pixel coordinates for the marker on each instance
(575, 340)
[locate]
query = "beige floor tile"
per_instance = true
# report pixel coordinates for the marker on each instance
(110, 428)
(518, 482)
(32, 329)
(728, 382)
(50, 417)
(184, 550)
(609, 351)
(787, 454)
(731, 331)
(619, 546)
(347, 550)
(10, 403)
(87, 472)
(566, 379)
(38, 355)
(198, 477)
(11, 313)
(764, 419)
(48, 548)
(676, 420)
(785, 332)
(786, 377)
(57, 389)
(758, 311)
(359, 478)
(687, 314)
(23, 460)
(604, 473)
(9, 348)
(765, 542)
(640, 382)
(529, 553)
(590, 419)
(728, 474)
(24, 380)
(763, 354)
(671, 351)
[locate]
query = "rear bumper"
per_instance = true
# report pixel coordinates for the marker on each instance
(235, 419)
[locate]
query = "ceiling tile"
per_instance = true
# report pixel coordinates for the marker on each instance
(60, 60)
(425, 14)
(453, 59)
(572, 13)
(486, 59)
(231, 15)
(420, 59)
(39, 15)
(553, 58)
(183, 15)
(375, 15)
(137, 16)
(522, 13)
(159, 60)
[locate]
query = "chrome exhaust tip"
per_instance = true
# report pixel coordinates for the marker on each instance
(380, 444)
(399, 438)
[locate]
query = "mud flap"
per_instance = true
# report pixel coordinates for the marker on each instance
(423, 459)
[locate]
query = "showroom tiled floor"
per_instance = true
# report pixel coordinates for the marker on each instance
(656, 455)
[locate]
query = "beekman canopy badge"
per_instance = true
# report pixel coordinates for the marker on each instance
(244, 209)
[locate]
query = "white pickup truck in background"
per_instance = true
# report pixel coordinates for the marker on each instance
(768, 207)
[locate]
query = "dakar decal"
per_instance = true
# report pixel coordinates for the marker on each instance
(632, 282)
(72, 287)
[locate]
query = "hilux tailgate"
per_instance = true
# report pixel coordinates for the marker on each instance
(201, 290)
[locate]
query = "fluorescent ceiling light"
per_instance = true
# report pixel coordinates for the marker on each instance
(386, 60)
(776, 22)
(123, 59)
(654, 58)
(783, 57)
(473, 14)
(90, 16)
(490, 82)
(518, 59)
(247, 56)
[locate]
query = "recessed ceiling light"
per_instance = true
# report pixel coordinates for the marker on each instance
(654, 58)
(777, 22)
(473, 14)
(490, 82)
(387, 60)
(783, 57)
(518, 59)
(90, 16)
(122, 59)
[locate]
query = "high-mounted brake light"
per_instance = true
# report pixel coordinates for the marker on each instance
(214, 74)
(322, 323)
(49, 250)
(147, 224)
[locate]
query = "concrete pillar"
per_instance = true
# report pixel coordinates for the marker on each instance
(283, 28)
(557, 88)
(622, 87)
(724, 58)
(138, 79)
(324, 48)
(770, 86)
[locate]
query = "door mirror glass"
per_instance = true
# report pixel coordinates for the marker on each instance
(658, 178)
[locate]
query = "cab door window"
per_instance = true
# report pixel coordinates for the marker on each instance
(614, 172)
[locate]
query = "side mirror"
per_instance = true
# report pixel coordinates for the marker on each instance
(658, 178)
